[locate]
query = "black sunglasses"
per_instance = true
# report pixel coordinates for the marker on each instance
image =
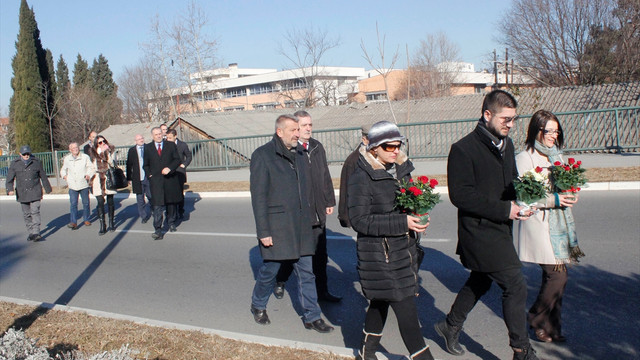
(102, 142)
(390, 147)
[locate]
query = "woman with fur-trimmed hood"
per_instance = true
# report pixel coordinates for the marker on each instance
(386, 246)
(102, 156)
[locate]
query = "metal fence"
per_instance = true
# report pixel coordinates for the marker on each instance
(607, 130)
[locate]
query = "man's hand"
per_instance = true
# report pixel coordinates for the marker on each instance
(165, 171)
(414, 224)
(515, 212)
(266, 242)
(330, 210)
(182, 166)
(65, 178)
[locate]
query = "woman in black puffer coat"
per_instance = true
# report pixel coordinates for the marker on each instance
(387, 258)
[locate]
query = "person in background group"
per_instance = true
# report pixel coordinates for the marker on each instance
(138, 178)
(313, 159)
(283, 219)
(89, 144)
(77, 171)
(549, 237)
(185, 156)
(348, 167)
(164, 129)
(161, 159)
(387, 238)
(29, 177)
(480, 173)
(103, 156)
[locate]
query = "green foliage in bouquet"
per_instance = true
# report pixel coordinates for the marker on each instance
(416, 196)
(568, 177)
(530, 187)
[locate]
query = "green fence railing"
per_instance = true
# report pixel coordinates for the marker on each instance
(606, 130)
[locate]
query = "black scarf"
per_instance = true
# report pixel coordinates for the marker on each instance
(500, 144)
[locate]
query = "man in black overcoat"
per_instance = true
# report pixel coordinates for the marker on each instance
(480, 173)
(185, 156)
(138, 178)
(160, 162)
(283, 222)
(348, 168)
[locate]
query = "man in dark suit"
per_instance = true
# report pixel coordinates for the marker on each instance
(480, 172)
(185, 156)
(138, 178)
(87, 146)
(283, 222)
(160, 162)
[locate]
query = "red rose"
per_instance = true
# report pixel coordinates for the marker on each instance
(575, 166)
(423, 179)
(572, 161)
(433, 183)
(403, 190)
(557, 163)
(411, 180)
(579, 163)
(577, 189)
(567, 168)
(538, 169)
(415, 191)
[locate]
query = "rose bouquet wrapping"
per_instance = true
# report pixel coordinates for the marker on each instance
(417, 197)
(531, 187)
(569, 177)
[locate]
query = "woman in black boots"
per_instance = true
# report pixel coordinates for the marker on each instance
(387, 255)
(102, 156)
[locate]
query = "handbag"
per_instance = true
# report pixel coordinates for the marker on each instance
(115, 179)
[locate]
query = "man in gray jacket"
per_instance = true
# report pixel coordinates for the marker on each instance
(27, 173)
(77, 170)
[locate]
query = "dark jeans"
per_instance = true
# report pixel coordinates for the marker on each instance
(73, 209)
(407, 314)
(545, 313)
(307, 296)
(320, 259)
(143, 211)
(514, 297)
(158, 210)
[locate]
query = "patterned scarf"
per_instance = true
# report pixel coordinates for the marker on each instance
(562, 228)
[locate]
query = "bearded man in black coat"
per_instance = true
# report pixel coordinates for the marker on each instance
(160, 162)
(480, 173)
(283, 220)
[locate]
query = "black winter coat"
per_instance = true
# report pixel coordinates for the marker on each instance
(165, 189)
(480, 184)
(186, 157)
(321, 195)
(27, 180)
(280, 205)
(348, 167)
(387, 259)
(133, 169)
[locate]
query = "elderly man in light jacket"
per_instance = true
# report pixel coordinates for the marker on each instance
(77, 170)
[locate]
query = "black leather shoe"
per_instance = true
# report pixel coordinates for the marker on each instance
(327, 296)
(144, 221)
(157, 236)
(37, 237)
(172, 228)
(260, 316)
(450, 335)
(278, 290)
(30, 238)
(319, 326)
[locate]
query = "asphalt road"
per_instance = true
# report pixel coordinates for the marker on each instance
(203, 275)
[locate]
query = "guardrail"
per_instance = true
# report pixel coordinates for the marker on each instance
(606, 130)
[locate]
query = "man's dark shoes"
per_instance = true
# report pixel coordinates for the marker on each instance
(329, 297)
(526, 353)
(144, 221)
(72, 226)
(37, 237)
(30, 238)
(278, 290)
(172, 228)
(260, 316)
(319, 326)
(542, 335)
(450, 335)
(157, 236)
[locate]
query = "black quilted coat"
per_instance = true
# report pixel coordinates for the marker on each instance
(387, 260)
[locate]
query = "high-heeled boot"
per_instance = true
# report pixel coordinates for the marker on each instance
(112, 226)
(369, 345)
(103, 225)
(424, 354)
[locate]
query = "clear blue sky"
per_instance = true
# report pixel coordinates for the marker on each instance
(248, 32)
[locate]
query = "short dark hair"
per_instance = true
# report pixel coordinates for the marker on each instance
(172, 132)
(538, 123)
(301, 113)
(282, 118)
(497, 100)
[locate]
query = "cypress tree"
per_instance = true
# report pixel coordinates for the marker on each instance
(62, 77)
(51, 82)
(28, 122)
(103, 82)
(81, 75)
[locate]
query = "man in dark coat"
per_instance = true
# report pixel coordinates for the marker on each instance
(160, 162)
(283, 222)
(313, 159)
(138, 178)
(480, 172)
(28, 174)
(348, 167)
(87, 146)
(185, 156)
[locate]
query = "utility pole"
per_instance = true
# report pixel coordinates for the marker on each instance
(495, 70)
(506, 66)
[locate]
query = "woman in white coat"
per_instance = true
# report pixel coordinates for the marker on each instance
(548, 238)
(102, 156)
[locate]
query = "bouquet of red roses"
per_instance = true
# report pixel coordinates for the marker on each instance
(417, 197)
(568, 177)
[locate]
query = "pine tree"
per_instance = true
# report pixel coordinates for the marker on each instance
(103, 78)
(81, 74)
(30, 72)
(51, 82)
(62, 77)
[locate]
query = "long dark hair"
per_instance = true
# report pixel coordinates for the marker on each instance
(537, 124)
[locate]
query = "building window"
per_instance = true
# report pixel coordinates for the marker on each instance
(374, 96)
(294, 104)
(265, 106)
(262, 89)
(479, 89)
(234, 108)
(294, 84)
(235, 92)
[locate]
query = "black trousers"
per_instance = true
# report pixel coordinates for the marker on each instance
(545, 313)
(407, 314)
(158, 210)
(320, 259)
(514, 297)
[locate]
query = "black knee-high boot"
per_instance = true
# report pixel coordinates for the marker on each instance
(103, 226)
(112, 226)
(369, 345)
